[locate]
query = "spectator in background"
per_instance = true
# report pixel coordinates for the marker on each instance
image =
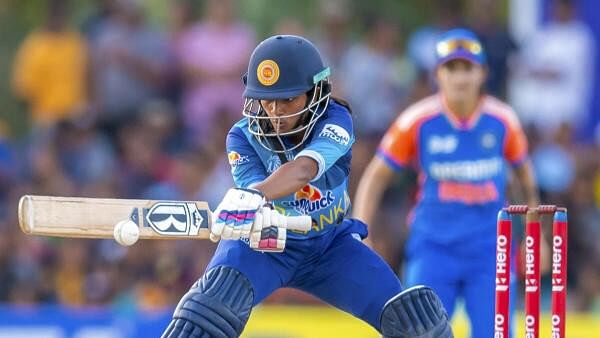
(70, 275)
(496, 41)
(369, 75)
(45, 173)
(84, 154)
(9, 167)
(584, 234)
(129, 65)
(142, 160)
(554, 166)
(160, 119)
(50, 69)
(182, 16)
(93, 25)
(288, 25)
(421, 43)
(332, 35)
(212, 57)
(186, 179)
(551, 84)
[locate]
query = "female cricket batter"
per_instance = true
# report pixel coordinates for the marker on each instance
(459, 140)
(291, 155)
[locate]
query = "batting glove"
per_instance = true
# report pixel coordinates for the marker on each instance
(269, 231)
(235, 215)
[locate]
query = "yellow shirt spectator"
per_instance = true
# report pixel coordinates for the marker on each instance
(50, 75)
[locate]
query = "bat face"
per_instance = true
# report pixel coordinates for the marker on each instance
(96, 217)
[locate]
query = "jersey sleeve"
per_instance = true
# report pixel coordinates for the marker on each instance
(246, 166)
(398, 147)
(334, 137)
(515, 146)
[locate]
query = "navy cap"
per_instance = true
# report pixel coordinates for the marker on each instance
(283, 66)
(461, 44)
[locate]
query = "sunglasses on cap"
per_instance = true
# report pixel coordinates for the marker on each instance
(447, 47)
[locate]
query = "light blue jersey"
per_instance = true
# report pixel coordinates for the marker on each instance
(329, 261)
(325, 198)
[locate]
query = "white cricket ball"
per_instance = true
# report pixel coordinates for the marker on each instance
(126, 233)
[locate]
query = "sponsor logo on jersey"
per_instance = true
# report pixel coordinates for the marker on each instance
(236, 159)
(336, 133)
(466, 170)
(267, 72)
(310, 199)
(488, 140)
(176, 218)
(442, 144)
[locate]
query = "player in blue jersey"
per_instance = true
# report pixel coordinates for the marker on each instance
(291, 155)
(459, 141)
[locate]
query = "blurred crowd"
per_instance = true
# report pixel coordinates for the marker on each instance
(121, 107)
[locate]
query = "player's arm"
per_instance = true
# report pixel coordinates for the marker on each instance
(526, 180)
(396, 150)
(516, 153)
(289, 178)
(371, 187)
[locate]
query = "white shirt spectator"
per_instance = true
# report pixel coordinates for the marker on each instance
(552, 82)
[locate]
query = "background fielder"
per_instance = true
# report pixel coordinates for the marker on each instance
(459, 140)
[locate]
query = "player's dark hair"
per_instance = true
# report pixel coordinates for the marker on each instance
(343, 102)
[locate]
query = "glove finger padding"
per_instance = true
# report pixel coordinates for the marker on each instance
(269, 232)
(234, 217)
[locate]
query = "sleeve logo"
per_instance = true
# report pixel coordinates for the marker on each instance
(236, 159)
(336, 133)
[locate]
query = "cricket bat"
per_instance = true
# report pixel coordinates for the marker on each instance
(96, 217)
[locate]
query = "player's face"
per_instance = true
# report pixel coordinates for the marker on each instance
(283, 113)
(461, 80)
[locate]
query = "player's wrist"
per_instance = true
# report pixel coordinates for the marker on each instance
(258, 190)
(253, 191)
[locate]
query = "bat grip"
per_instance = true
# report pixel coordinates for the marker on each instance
(298, 223)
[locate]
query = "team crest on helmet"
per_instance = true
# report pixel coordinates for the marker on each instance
(267, 72)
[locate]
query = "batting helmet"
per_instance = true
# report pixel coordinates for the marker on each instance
(282, 67)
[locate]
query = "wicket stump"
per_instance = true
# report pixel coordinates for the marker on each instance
(532, 269)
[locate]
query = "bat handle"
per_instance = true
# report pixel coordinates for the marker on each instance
(299, 223)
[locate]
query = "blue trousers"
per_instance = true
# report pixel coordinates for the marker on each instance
(465, 270)
(335, 267)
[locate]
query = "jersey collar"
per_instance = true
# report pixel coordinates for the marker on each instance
(458, 122)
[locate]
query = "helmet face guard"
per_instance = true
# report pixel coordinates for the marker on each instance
(284, 67)
(263, 128)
